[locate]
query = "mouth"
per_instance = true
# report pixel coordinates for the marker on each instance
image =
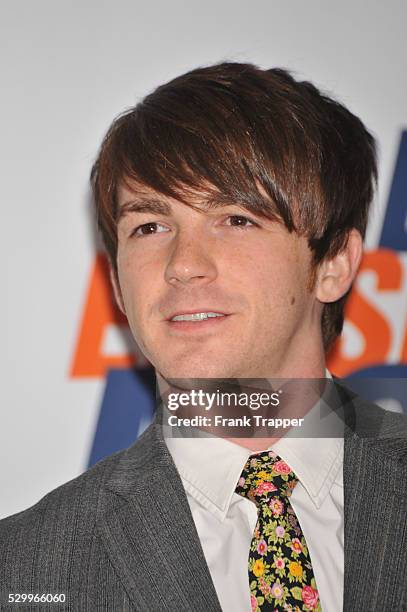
(203, 319)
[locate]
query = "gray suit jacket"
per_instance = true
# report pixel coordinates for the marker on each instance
(121, 535)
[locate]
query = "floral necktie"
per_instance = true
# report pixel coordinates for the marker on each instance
(280, 570)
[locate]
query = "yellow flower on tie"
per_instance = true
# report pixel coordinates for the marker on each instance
(295, 568)
(263, 475)
(258, 568)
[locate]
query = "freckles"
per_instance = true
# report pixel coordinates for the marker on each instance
(292, 301)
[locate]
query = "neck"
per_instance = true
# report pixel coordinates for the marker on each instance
(248, 424)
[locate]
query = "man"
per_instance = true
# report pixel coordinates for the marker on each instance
(233, 203)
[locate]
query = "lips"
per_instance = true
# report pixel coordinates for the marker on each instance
(195, 311)
(210, 325)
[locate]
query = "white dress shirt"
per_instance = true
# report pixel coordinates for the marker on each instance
(210, 468)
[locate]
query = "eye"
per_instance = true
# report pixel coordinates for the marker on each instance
(148, 228)
(240, 221)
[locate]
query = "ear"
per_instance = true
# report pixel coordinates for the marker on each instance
(116, 287)
(336, 275)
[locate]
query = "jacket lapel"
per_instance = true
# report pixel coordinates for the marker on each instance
(149, 534)
(375, 501)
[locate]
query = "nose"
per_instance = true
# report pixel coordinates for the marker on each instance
(191, 260)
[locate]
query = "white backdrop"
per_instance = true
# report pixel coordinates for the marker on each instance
(67, 68)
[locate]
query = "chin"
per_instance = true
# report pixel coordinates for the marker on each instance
(196, 370)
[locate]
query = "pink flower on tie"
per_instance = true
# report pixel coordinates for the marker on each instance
(279, 562)
(281, 467)
(241, 481)
(309, 596)
(262, 547)
(280, 531)
(276, 506)
(264, 487)
(253, 603)
(276, 590)
(296, 545)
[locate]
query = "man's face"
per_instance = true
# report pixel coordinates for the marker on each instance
(174, 260)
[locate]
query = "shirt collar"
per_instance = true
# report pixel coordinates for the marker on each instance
(315, 461)
(210, 468)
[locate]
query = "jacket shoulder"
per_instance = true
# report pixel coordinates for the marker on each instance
(60, 509)
(382, 430)
(56, 541)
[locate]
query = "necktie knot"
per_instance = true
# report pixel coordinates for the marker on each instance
(266, 476)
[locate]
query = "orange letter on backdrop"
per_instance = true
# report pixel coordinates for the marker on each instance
(370, 322)
(100, 311)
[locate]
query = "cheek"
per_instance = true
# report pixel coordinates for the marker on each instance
(275, 277)
(135, 284)
(280, 280)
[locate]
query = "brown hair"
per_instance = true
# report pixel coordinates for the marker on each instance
(235, 133)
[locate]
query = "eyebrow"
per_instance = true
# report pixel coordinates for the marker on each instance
(159, 207)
